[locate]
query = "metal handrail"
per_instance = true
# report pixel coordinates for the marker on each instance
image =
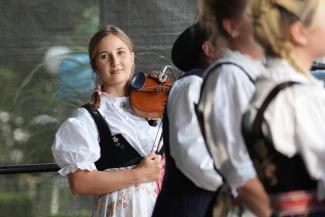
(29, 168)
(318, 66)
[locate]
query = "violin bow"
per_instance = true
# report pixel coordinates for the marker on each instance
(156, 146)
(156, 150)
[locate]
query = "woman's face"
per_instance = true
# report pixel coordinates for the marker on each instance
(245, 24)
(242, 37)
(114, 61)
(316, 37)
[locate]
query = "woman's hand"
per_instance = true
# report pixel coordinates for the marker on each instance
(149, 169)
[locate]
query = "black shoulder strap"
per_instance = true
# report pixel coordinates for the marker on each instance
(257, 124)
(197, 71)
(115, 150)
(199, 106)
(206, 98)
(206, 78)
(211, 70)
(104, 133)
(98, 118)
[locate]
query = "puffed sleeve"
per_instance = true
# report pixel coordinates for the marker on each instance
(232, 94)
(76, 143)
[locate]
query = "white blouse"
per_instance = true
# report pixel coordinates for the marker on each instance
(76, 144)
(296, 116)
(187, 145)
(233, 90)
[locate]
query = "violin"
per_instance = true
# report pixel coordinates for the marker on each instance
(148, 94)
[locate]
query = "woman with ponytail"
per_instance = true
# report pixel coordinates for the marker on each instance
(104, 148)
(228, 86)
(284, 127)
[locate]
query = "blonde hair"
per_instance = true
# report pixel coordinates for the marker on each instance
(213, 12)
(102, 33)
(207, 19)
(272, 19)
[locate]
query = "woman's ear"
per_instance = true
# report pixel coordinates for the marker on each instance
(209, 51)
(230, 27)
(297, 33)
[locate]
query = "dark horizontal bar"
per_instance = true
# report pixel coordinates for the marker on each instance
(318, 66)
(29, 168)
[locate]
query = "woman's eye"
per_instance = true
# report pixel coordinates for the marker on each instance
(121, 52)
(103, 56)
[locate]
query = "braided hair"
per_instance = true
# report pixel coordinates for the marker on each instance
(272, 19)
(94, 41)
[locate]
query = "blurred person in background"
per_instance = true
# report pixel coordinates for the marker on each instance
(228, 86)
(285, 124)
(190, 181)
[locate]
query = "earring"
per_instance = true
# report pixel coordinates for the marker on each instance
(234, 34)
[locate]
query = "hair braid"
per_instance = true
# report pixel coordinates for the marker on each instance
(272, 19)
(95, 98)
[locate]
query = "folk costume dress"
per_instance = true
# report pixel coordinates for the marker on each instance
(228, 86)
(290, 150)
(190, 181)
(77, 146)
(232, 83)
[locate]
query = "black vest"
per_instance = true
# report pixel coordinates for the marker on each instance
(115, 151)
(277, 172)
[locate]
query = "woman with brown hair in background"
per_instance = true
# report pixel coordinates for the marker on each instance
(228, 86)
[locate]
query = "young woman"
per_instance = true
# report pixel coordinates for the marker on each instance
(228, 86)
(99, 146)
(190, 181)
(284, 127)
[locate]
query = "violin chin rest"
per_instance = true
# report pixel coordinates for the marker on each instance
(138, 81)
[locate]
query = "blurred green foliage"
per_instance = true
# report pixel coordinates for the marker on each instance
(16, 205)
(30, 109)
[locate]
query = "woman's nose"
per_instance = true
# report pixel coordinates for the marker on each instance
(114, 60)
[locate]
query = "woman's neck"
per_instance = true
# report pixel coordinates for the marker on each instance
(304, 60)
(252, 49)
(116, 90)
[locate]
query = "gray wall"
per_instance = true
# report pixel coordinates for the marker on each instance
(152, 24)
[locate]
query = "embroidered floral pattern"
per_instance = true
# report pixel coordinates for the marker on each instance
(137, 200)
(264, 166)
(111, 207)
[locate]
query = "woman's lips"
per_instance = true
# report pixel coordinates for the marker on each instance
(116, 71)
